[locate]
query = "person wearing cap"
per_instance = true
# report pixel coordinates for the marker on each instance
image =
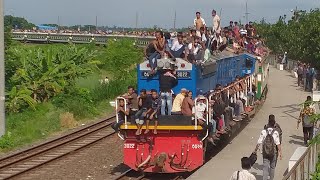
(244, 174)
(198, 23)
(200, 110)
(177, 102)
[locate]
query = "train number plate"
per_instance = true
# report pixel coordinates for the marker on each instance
(196, 146)
(180, 74)
(183, 74)
(129, 145)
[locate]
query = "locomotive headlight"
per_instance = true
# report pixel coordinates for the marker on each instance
(167, 65)
(160, 64)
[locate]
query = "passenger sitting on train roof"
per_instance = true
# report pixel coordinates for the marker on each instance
(145, 104)
(121, 115)
(132, 99)
(159, 46)
(222, 44)
(154, 112)
(167, 80)
(195, 50)
(178, 47)
(191, 36)
(177, 102)
(203, 36)
(187, 104)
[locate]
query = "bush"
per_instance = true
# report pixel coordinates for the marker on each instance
(78, 101)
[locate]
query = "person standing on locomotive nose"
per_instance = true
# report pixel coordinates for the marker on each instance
(167, 80)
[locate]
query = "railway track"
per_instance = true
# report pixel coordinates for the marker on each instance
(133, 175)
(32, 158)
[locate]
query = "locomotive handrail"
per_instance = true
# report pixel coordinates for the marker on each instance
(117, 115)
(229, 86)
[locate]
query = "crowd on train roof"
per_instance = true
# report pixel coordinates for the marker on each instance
(228, 105)
(201, 42)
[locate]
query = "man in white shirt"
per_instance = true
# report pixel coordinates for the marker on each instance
(243, 31)
(269, 163)
(177, 47)
(194, 50)
(244, 174)
(199, 22)
(216, 28)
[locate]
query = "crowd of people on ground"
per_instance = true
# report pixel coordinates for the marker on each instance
(201, 42)
(307, 76)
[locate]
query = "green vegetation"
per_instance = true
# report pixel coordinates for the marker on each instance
(17, 22)
(300, 36)
(53, 87)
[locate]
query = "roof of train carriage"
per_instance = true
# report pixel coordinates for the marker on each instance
(154, 84)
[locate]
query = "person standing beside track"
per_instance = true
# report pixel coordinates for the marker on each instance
(271, 148)
(306, 114)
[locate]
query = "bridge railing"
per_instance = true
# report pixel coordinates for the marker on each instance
(305, 166)
(76, 38)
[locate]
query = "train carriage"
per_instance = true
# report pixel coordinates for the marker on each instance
(180, 144)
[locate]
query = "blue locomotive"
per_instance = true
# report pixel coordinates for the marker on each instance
(200, 77)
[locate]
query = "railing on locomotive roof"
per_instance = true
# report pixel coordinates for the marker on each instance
(117, 115)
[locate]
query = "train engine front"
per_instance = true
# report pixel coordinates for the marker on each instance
(177, 146)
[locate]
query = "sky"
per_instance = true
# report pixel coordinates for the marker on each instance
(150, 12)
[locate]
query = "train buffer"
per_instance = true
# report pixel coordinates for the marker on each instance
(283, 101)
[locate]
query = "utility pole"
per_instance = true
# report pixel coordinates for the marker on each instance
(137, 18)
(247, 12)
(96, 23)
(2, 69)
(174, 21)
(220, 13)
(58, 22)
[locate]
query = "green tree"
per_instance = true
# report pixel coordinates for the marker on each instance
(17, 22)
(299, 37)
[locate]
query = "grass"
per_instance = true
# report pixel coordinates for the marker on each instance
(86, 101)
(30, 125)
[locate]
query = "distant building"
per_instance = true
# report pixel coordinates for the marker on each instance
(43, 27)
